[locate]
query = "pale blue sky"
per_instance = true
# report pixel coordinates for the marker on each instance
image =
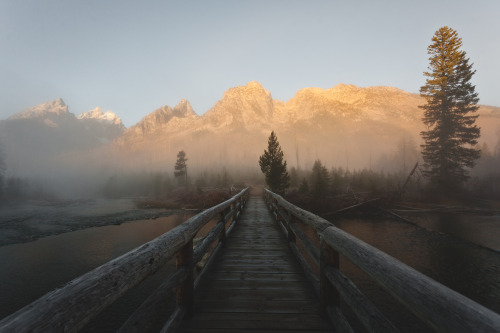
(132, 57)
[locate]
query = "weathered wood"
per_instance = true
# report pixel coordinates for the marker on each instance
(173, 321)
(338, 320)
(255, 279)
(149, 311)
(329, 296)
(270, 321)
(208, 240)
(207, 267)
(435, 304)
(69, 308)
(363, 308)
(306, 268)
(314, 221)
(185, 292)
(311, 249)
(292, 238)
(400, 193)
(345, 209)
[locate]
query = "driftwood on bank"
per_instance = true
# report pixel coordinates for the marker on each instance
(345, 209)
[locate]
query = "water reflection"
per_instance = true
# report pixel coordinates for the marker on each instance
(444, 256)
(29, 270)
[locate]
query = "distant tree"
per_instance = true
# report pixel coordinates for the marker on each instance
(294, 177)
(274, 167)
(304, 186)
(406, 154)
(181, 166)
(226, 178)
(320, 179)
(451, 99)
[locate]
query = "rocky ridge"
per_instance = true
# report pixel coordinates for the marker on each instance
(345, 125)
(340, 124)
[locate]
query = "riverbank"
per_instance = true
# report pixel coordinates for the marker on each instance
(26, 222)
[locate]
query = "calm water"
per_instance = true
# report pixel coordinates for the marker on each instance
(461, 252)
(29, 270)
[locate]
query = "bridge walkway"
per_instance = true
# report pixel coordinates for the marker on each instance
(256, 283)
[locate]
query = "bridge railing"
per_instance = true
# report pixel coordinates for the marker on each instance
(439, 307)
(71, 307)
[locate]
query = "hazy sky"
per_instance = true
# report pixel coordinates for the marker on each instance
(132, 57)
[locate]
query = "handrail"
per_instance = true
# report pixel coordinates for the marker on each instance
(436, 305)
(71, 307)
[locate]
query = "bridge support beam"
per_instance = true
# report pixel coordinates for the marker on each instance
(329, 296)
(185, 292)
(222, 235)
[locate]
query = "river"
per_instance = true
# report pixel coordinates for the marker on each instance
(29, 270)
(460, 251)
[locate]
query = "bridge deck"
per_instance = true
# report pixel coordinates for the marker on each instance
(256, 284)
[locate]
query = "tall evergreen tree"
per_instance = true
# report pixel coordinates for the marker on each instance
(274, 167)
(449, 150)
(181, 166)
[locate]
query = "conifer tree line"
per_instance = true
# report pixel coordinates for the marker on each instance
(450, 143)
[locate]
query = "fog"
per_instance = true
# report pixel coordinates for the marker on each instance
(87, 173)
(66, 163)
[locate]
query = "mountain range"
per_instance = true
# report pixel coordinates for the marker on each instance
(344, 126)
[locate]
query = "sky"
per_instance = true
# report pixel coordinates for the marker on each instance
(132, 57)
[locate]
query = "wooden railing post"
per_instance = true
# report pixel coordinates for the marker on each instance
(329, 296)
(185, 293)
(291, 235)
(222, 235)
(234, 208)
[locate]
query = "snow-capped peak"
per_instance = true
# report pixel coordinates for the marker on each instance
(56, 107)
(97, 114)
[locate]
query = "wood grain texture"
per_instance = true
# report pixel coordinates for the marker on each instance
(69, 308)
(256, 284)
(441, 308)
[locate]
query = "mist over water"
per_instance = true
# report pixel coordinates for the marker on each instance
(59, 177)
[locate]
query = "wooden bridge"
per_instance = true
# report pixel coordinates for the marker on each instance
(260, 271)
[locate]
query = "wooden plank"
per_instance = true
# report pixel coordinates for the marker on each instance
(258, 320)
(232, 330)
(256, 276)
(439, 307)
(271, 294)
(256, 284)
(258, 306)
(71, 307)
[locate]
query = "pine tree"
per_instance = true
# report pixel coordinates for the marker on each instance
(274, 168)
(449, 150)
(181, 166)
(320, 179)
